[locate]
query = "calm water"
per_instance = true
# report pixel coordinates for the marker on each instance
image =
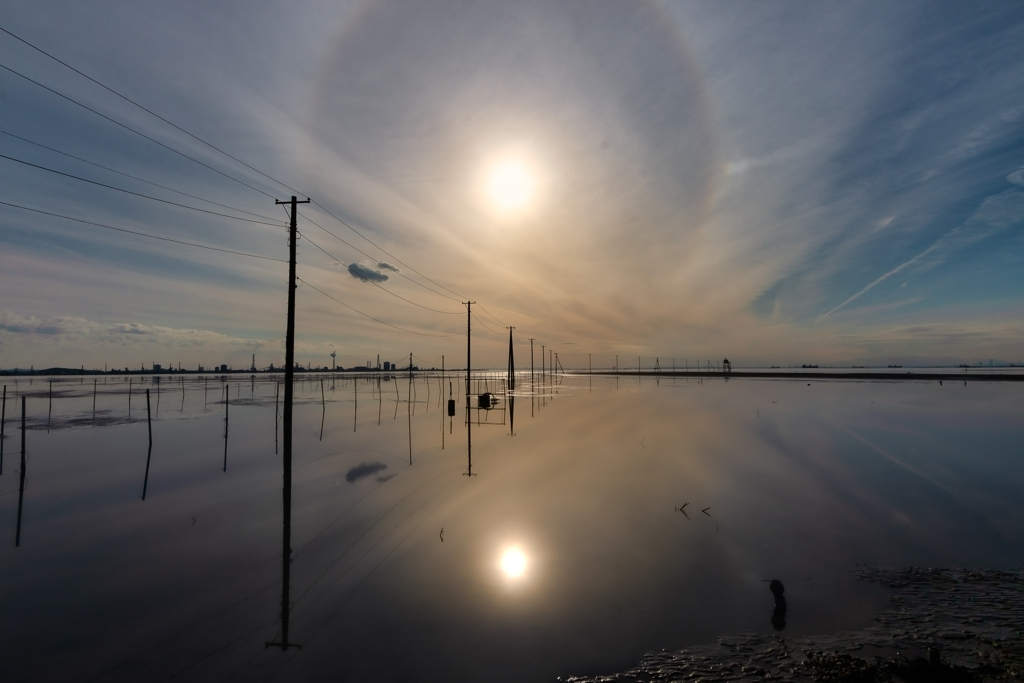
(801, 483)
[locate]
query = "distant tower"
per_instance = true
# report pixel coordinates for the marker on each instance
(334, 354)
(378, 361)
(253, 363)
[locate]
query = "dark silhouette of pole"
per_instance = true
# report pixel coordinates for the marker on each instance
(531, 363)
(49, 411)
(21, 486)
(469, 421)
(543, 367)
(511, 363)
(94, 399)
(149, 423)
(3, 422)
(408, 408)
(227, 402)
(289, 377)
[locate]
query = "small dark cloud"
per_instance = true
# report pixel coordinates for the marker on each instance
(387, 266)
(366, 274)
(363, 470)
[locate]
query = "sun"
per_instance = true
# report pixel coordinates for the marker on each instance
(513, 562)
(511, 186)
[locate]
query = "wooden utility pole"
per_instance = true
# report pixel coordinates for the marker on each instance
(543, 366)
(469, 420)
(531, 363)
(289, 377)
(511, 363)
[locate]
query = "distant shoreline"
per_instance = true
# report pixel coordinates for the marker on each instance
(919, 374)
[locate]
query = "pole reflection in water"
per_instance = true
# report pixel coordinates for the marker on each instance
(149, 453)
(3, 423)
(227, 398)
(408, 409)
(21, 485)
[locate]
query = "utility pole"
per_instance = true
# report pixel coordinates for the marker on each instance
(469, 340)
(511, 363)
(289, 377)
(469, 420)
(543, 367)
(531, 363)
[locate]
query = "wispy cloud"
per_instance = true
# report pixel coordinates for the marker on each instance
(995, 214)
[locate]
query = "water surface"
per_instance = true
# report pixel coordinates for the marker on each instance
(799, 481)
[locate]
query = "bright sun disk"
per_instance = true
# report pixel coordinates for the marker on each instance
(510, 186)
(513, 562)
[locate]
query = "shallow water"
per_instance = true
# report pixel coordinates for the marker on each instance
(800, 482)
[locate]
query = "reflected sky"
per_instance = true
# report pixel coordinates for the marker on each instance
(409, 571)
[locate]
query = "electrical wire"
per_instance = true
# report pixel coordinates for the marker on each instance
(427, 308)
(129, 175)
(143, 234)
(484, 323)
(148, 111)
(322, 208)
(138, 194)
(140, 134)
(421, 334)
(230, 156)
(352, 246)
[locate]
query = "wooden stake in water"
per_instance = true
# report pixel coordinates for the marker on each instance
(3, 420)
(94, 399)
(149, 453)
(227, 400)
(21, 487)
(49, 411)
(129, 398)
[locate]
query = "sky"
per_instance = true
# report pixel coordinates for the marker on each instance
(775, 183)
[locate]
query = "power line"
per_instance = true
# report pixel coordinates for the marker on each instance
(143, 234)
(387, 252)
(427, 308)
(422, 334)
(129, 175)
(139, 133)
(137, 194)
(484, 323)
(148, 111)
(230, 156)
(352, 246)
